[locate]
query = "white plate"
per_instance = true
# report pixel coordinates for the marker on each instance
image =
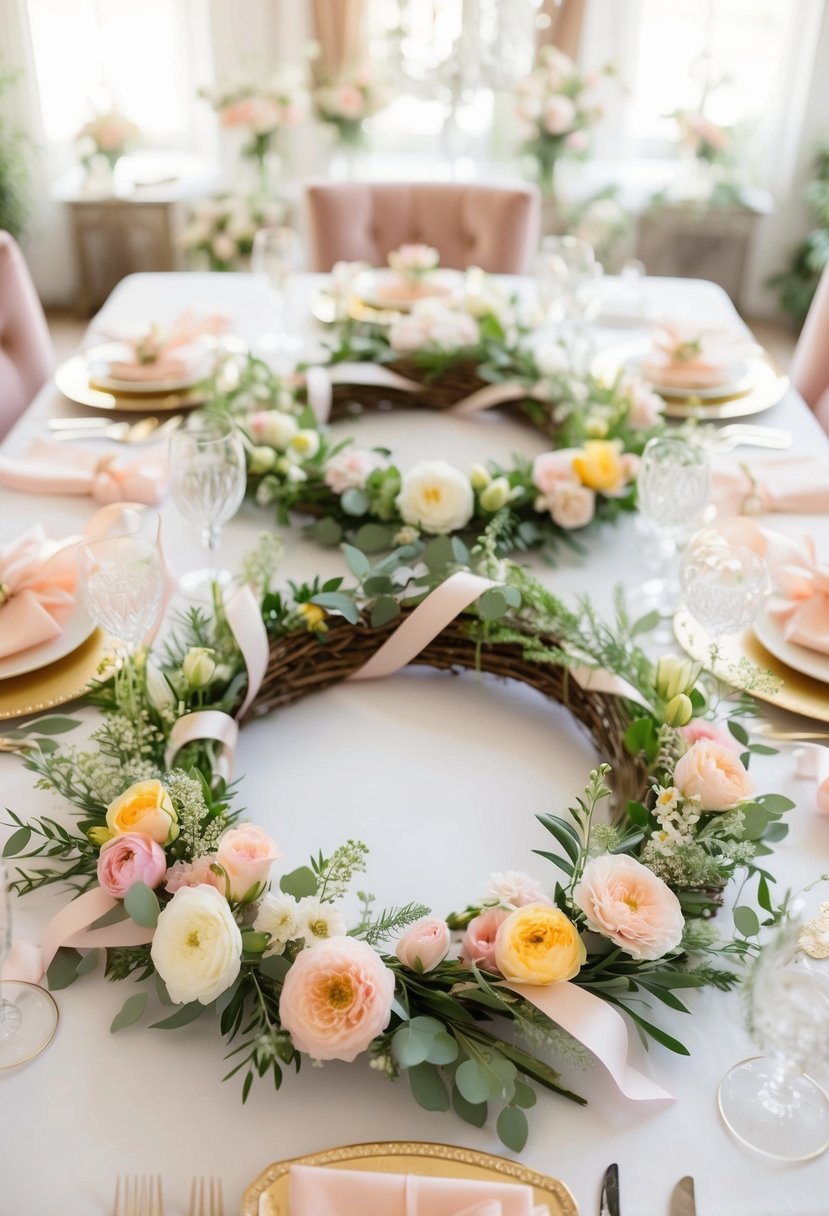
(739, 380)
(99, 358)
(377, 288)
(75, 632)
(769, 633)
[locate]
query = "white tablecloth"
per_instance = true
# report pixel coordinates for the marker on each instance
(442, 777)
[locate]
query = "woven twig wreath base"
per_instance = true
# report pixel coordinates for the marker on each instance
(300, 664)
(439, 393)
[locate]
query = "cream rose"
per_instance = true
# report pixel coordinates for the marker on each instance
(626, 902)
(246, 854)
(436, 497)
(552, 470)
(145, 807)
(272, 427)
(537, 944)
(713, 774)
(424, 945)
(197, 946)
(572, 506)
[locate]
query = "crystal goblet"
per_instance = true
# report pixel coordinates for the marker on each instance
(28, 1013)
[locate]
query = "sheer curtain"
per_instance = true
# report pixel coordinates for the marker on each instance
(341, 29)
(561, 25)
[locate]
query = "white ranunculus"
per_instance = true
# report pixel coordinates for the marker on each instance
(551, 359)
(278, 915)
(197, 947)
(436, 497)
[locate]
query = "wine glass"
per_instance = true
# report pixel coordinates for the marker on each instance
(28, 1013)
(723, 585)
(208, 479)
(768, 1103)
(122, 583)
(275, 259)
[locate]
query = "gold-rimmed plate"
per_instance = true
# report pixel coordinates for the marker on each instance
(72, 378)
(798, 693)
(268, 1195)
(326, 308)
(63, 681)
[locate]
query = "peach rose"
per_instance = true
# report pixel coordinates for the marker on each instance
(552, 470)
(626, 902)
(336, 998)
(424, 945)
(246, 854)
(698, 729)
(572, 506)
(145, 807)
(478, 945)
(130, 858)
(516, 888)
(713, 774)
(538, 944)
(198, 873)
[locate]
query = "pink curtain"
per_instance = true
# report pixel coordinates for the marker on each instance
(564, 30)
(340, 27)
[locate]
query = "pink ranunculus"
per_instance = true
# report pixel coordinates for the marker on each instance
(626, 902)
(130, 858)
(645, 407)
(349, 101)
(246, 854)
(350, 469)
(559, 114)
(713, 774)
(699, 728)
(577, 141)
(516, 888)
(424, 945)
(198, 873)
(573, 506)
(336, 998)
(478, 945)
(552, 470)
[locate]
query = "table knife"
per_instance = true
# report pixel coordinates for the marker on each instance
(682, 1200)
(609, 1205)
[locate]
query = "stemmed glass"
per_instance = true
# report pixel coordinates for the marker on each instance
(208, 478)
(122, 583)
(568, 280)
(275, 259)
(768, 1103)
(723, 585)
(28, 1013)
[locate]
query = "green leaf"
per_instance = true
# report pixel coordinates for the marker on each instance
(512, 595)
(459, 551)
(761, 749)
(443, 1049)
(776, 832)
(777, 804)
(88, 963)
(299, 883)
(756, 820)
(645, 623)
(182, 1017)
(471, 1112)
(372, 538)
(17, 842)
(161, 991)
(524, 1095)
(427, 1087)
(142, 905)
(357, 562)
(638, 814)
(640, 736)
(556, 859)
(438, 554)
(337, 601)
(275, 966)
(763, 892)
(327, 532)
(354, 502)
(386, 609)
(63, 969)
(513, 1128)
(410, 1046)
(131, 1012)
(658, 1035)
(492, 605)
(378, 584)
(738, 731)
(44, 726)
(564, 833)
(746, 922)
(471, 1082)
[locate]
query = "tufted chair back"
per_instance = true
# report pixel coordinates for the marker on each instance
(26, 356)
(810, 365)
(494, 227)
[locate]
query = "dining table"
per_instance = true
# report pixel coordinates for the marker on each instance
(442, 776)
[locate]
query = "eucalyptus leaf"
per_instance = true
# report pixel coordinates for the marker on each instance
(525, 1095)
(44, 726)
(513, 1128)
(327, 532)
(746, 921)
(142, 905)
(378, 584)
(161, 991)
(471, 1082)
(492, 605)
(299, 883)
(17, 842)
(88, 963)
(471, 1112)
(386, 609)
(443, 1049)
(738, 731)
(777, 804)
(357, 562)
(428, 1088)
(410, 1047)
(63, 969)
(372, 538)
(275, 966)
(182, 1017)
(131, 1012)
(354, 502)
(336, 601)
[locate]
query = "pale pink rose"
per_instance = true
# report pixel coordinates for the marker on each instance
(350, 469)
(698, 729)
(646, 408)
(240, 114)
(591, 79)
(478, 945)
(198, 873)
(349, 101)
(630, 463)
(552, 470)
(246, 854)
(577, 141)
(559, 114)
(713, 774)
(336, 998)
(130, 858)
(111, 135)
(626, 902)
(573, 506)
(265, 116)
(528, 107)
(516, 888)
(424, 945)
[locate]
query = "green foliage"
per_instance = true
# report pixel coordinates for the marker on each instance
(14, 167)
(796, 285)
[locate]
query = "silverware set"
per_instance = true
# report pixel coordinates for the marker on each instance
(743, 434)
(683, 1201)
(141, 1195)
(145, 430)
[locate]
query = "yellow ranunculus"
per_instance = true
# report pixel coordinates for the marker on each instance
(145, 807)
(599, 466)
(314, 617)
(537, 944)
(99, 836)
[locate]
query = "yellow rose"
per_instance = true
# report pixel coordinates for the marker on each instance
(145, 807)
(599, 466)
(537, 944)
(314, 617)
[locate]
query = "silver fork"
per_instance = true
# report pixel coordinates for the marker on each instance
(745, 435)
(138, 1196)
(206, 1197)
(146, 430)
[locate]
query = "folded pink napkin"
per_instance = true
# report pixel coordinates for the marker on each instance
(317, 1191)
(48, 467)
(152, 353)
(37, 585)
(688, 358)
(794, 484)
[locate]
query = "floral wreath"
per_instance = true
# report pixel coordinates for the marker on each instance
(158, 849)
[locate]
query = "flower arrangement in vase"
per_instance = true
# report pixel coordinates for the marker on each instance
(344, 101)
(221, 230)
(108, 136)
(557, 106)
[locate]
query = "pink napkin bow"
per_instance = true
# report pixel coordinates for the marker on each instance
(48, 467)
(685, 357)
(37, 584)
(317, 1191)
(158, 355)
(796, 484)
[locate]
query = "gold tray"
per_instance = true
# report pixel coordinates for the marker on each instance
(59, 682)
(72, 378)
(799, 693)
(268, 1195)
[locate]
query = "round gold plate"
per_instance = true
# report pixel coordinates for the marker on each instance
(799, 693)
(268, 1195)
(72, 378)
(324, 308)
(58, 683)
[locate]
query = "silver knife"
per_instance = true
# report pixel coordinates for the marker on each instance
(609, 1205)
(682, 1200)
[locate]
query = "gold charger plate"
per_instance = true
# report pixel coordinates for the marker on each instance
(268, 1195)
(57, 683)
(799, 693)
(324, 308)
(72, 378)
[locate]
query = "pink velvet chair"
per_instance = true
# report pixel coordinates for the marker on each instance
(494, 227)
(26, 355)
(810, 365)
